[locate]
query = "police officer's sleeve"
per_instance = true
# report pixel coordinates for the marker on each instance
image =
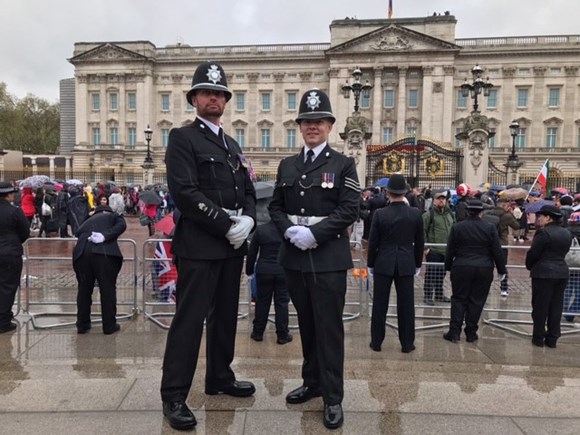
(419, 242)
(451, 249)
(277, 207)
(182, 180)
(22, 225)
(346, 211)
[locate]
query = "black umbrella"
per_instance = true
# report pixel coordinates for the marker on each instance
(150, 197)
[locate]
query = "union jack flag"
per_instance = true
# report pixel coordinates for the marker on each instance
(164, 273)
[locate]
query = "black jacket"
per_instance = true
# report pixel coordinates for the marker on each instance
(299, 192)
(267, 241)
(110, 224)
(14, 229)
(396, 240)
(474, 243)
(545, 258)
(204, 178)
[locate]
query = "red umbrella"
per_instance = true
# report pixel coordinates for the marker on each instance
(561, 190)
(166, 225)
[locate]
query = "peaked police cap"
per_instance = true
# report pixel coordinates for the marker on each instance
(315, 105)
(209, 75)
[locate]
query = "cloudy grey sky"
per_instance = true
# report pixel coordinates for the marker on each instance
(37, 36)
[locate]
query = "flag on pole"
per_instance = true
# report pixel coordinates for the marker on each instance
(390, 13)
(543, 176)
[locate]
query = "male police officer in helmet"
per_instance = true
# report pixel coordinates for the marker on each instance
(209, 181)
(315, 200)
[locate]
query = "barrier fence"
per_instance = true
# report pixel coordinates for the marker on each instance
(50, 284)
(49, 288)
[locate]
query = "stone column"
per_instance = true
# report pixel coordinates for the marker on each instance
(377, 105)
(51, 167)
(67, 167)
(448, 94)
(475, 138)
(426, 102)
(401, 101)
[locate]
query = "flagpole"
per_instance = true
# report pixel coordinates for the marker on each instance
(536, 180)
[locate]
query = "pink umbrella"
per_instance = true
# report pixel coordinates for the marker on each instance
(561, 190)
(166, 225)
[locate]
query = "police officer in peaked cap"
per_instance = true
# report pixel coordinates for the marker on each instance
(315, 200)
(208, 178)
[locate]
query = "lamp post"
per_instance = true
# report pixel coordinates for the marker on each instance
(357, 88)
(477, 86)
(148, 164)
(513, 163)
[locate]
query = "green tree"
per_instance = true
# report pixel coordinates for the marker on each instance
(31, 125)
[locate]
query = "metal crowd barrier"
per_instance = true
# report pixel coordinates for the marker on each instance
(159, 277)
(50, 282)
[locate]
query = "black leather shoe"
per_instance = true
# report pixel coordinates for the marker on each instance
(443, 299)
(236, 389)
(285, 339)
(538, 342)
(333, 416)
(408, 349)
(449, 336)
(471, 338)
(428, 302)
(179, 415)
(10, 327)
(303, 394)
(256, 336)
(115, 328)
(83, 329)
(375, 347)
(550, 343)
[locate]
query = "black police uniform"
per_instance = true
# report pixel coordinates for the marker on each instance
(14, 230)
(316, 277)
(204, 178)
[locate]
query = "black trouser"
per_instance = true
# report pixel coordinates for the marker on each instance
(434, 275)
(205, 289)
(272, 285)
(547, 300)
(470, 287)
(10, 271)
(319, 301)
(104, 269)
(503, 284)
(405, 308)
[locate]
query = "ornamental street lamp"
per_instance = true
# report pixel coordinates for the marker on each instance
(357, 88)
(513, 163)
(474, 89)
(148, 162)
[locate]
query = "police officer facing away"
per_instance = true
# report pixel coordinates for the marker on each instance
(209, 181)
(315, 200)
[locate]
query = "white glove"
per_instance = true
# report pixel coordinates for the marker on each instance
(96, 238)
(517, 213)
(417, 272)
(240, 230)
(251, 277)
(502, 276)
(303, 239)
(291, 232)
(371, 271)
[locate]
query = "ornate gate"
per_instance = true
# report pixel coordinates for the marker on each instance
(421, 161)
(495, 175)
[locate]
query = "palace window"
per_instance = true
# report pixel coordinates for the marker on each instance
(265, 134)
(266, 101)
(165, 137)
(240, 101)
(523, 97)
(96, 101)
(413, 98)
(132, 136)
(521, 138)
(461, 100)
(114, 101)
(241, 136)
(114, 136)
(554, 97)
(291, 100)
(492, 99)
(165, 103)
(291, 138)
(551, 137)
(387, 134)
(131, 101)
(96, 135)
(389, 98)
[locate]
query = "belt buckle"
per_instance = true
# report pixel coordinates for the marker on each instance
(303, 220)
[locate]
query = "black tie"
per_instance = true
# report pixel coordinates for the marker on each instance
(309, 159)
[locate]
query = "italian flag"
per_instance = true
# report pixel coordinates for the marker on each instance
(543, 177)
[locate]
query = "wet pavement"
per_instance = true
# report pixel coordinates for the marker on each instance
(53, 381)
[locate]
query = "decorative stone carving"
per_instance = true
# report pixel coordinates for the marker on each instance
(437, 87)
(508, 72)
(540, 71)
(571, 71)
(306, 76)
(476, 132)
(333, 72)
(391, 41)
(449, 70)
(428, 70)
(253, 77)
(82, 78)
(355, 131)
(279, 76)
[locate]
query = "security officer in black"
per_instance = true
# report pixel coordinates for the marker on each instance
(208, 178)
(315, 200)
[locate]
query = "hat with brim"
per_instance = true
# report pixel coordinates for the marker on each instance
(210, 76)
(550, 210)
(440, 193)
(316, 115)
(397, 185)
(6, 188)
(475, 205)
(315, 104)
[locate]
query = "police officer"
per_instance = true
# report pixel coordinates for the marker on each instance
(209, 181)
(315, 200)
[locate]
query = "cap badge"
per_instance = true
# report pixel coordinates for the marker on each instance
(213, 74)
(313, 100)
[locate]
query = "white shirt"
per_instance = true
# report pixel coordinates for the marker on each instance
(317, 150)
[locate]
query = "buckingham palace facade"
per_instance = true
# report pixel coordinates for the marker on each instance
(416, 67)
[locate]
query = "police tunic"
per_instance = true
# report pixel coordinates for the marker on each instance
(208, 180)
(316, 278)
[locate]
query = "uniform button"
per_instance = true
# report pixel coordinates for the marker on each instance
(211, 159)
(302, 193)
(338, 236)
(233, 172)
(303, 176)
(302, 210)
(236, 187)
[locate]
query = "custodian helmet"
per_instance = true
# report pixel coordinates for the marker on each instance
(209, 75)
(315, 105)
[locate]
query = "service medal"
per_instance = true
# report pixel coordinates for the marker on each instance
(330, 180)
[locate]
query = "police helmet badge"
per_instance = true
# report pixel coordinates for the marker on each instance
(313, 100)
(214, 74)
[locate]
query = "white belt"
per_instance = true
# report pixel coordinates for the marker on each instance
(305, 221)
(237, 212)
